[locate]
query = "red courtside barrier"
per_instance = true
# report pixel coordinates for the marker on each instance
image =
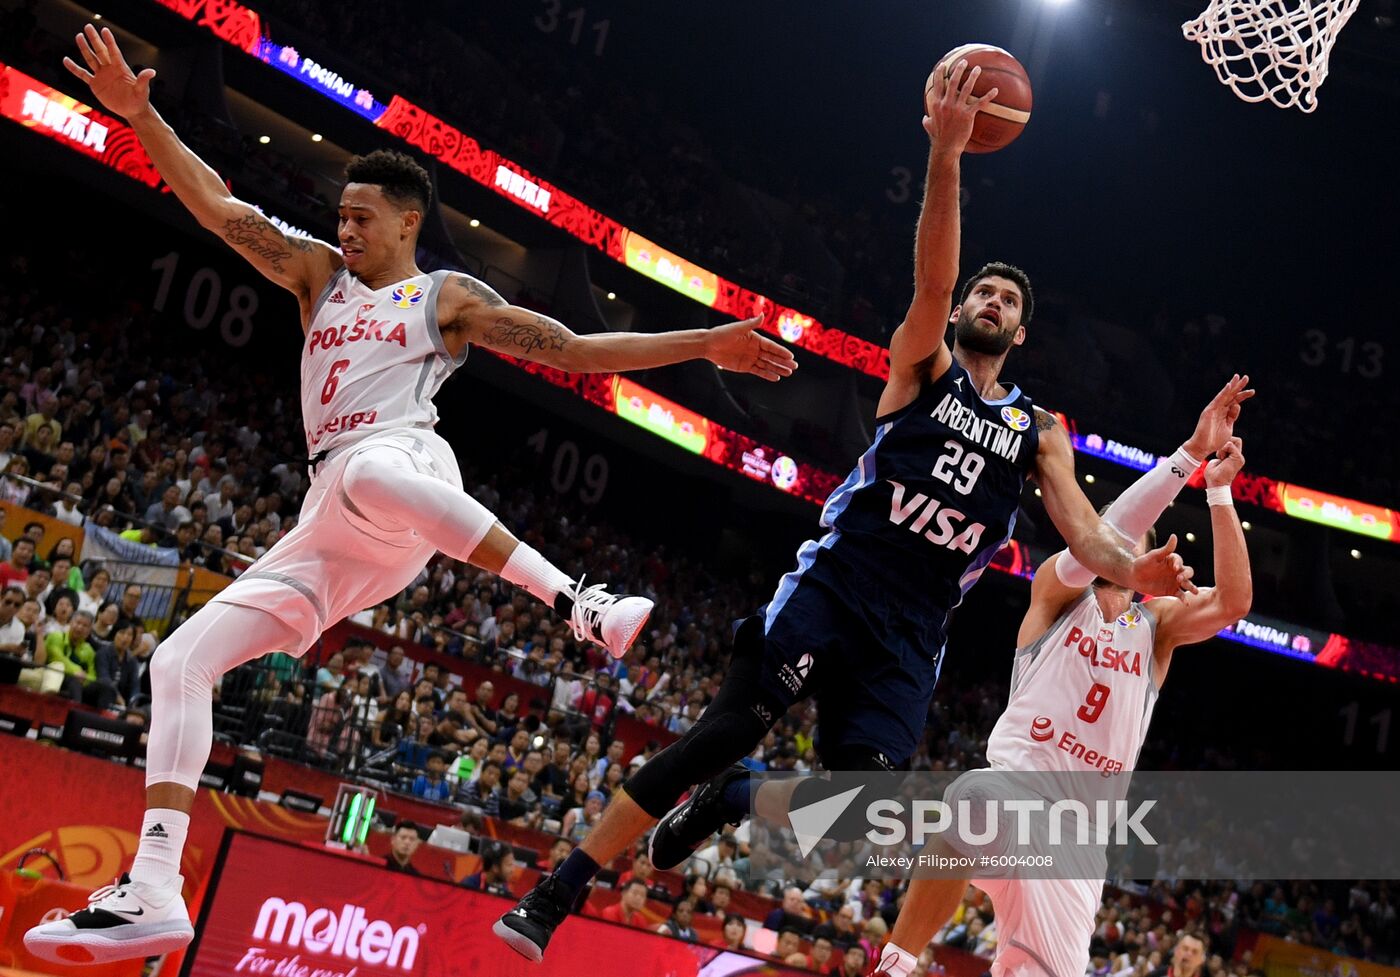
(26, 902)
(85, 811)
(275, 908)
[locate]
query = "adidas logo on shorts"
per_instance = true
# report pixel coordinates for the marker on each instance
(338, 298)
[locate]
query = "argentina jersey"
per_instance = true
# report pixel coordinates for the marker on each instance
(926, 508)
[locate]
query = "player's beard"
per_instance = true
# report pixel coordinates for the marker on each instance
(980, 338)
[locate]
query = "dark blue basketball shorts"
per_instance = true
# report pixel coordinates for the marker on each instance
(872, 679)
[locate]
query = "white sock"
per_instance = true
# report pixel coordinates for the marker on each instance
(162, 842)
(895, 961)
(542, 579)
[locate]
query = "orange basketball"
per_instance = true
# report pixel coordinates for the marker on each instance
(1001, 121)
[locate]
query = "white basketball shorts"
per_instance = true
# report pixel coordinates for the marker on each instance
(335, 561)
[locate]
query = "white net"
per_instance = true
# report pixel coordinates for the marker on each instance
(1271, 50)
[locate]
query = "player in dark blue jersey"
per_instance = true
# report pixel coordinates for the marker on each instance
(861, 622)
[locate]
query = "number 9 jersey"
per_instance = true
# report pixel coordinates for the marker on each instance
(1081, 694)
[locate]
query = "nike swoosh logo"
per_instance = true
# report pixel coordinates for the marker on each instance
(130, 912)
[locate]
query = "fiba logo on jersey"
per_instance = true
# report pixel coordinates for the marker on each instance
(1130, 618)
(1042, 729)
(407, 296)
(1015, 418)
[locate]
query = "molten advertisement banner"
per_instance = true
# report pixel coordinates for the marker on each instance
(287, 910)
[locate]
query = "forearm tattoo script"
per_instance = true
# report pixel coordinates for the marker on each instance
(530, 336)
(259, 237)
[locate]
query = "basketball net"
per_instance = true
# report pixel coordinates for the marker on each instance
(1270, 50)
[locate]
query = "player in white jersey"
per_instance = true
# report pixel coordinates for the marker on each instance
(1091, 660)
(380, 338)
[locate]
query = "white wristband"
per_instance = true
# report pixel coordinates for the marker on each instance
(1182, 459)
(1219, 495)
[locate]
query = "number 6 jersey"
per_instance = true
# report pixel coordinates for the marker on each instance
(372, 359)
(1081, 694)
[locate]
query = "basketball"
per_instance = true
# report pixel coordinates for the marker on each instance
(1000, 122)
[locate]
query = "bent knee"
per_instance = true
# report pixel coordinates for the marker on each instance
(169, 664)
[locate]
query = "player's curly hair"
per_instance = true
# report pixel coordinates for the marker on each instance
(1003, 270)
(397, 174)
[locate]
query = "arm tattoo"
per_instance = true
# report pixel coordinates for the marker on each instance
(485, 293)
(301, 243)
(529, 336)
(256, 235)
(1044, 420)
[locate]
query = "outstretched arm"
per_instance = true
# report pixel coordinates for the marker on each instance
(1187, 621)
(475, 313)
(917, 349)
(1094, 543)
(1143, 502)
(299, 264)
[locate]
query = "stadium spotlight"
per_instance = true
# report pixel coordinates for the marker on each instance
(316, 137)
(1356, 554)
(264, 139)
(1246, 526)
(96, 16)
(1190, 537)
(612, 296)
(474, 222)
(1037, 493)
(1089, 479)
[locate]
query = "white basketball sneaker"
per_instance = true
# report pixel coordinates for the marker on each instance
(123, 921)
(610, 620)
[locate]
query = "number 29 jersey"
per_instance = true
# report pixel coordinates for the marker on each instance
(929, 504)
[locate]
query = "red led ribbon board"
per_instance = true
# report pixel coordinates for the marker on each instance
(49, 112)
(228, 21)
(277, 908)
(664, 418)
(431, 135)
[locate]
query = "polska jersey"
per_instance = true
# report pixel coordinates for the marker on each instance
(1081, 694)
(372, 359)
(926, 508)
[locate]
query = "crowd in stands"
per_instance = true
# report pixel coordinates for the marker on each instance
(98, 424)
(102, 426)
